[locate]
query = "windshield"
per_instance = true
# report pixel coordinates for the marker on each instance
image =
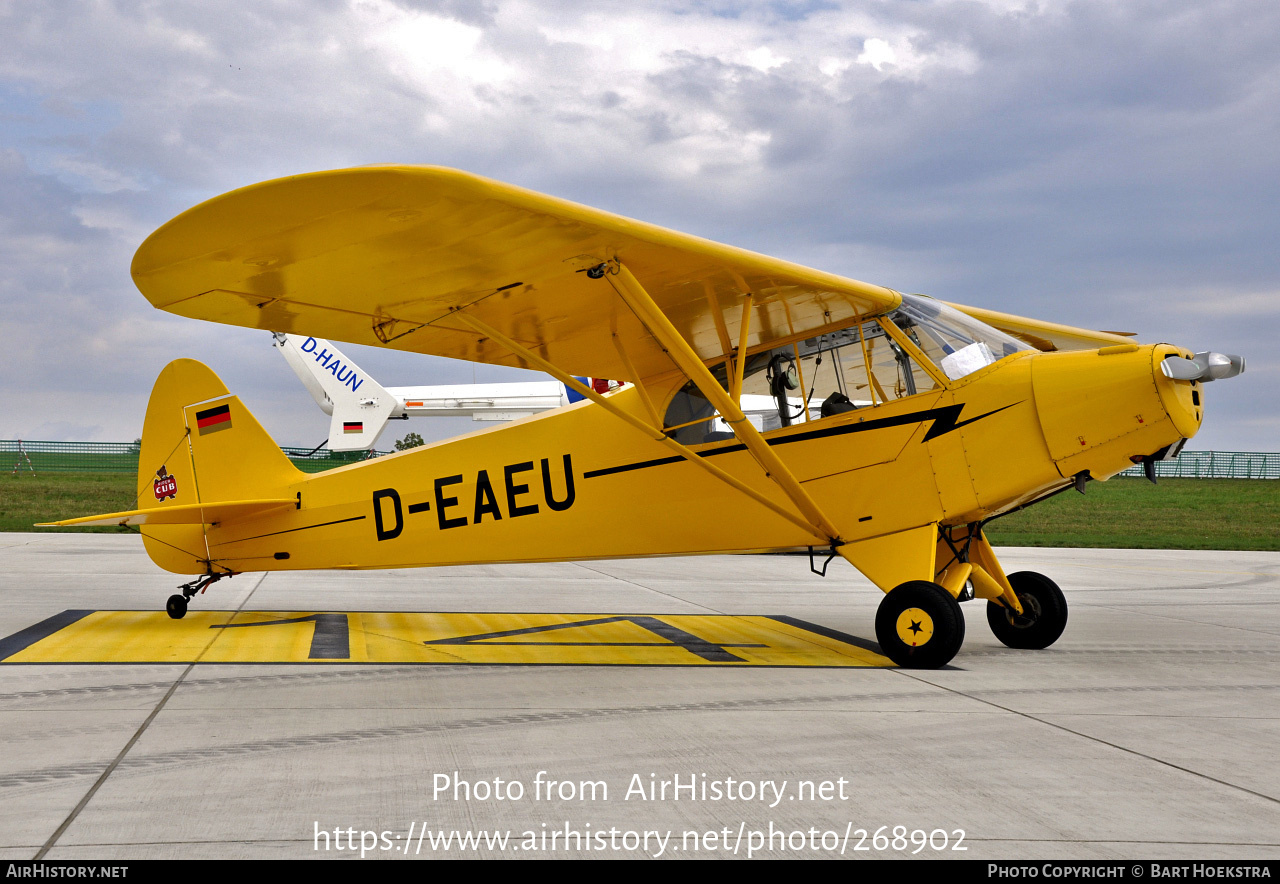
(956, 342)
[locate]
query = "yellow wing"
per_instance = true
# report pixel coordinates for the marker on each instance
(383, 255)
(1047, 335)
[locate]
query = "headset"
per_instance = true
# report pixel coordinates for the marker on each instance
(782, 377)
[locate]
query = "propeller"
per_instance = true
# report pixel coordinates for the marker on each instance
(1204, 367)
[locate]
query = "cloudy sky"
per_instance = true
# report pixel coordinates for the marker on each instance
(1107, 164)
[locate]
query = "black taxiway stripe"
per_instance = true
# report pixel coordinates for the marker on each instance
(330, 641)
(291, 530)
(24, 639)
(827, 632)
(674, 635)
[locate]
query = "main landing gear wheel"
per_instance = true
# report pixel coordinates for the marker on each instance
(920, 625)
(1043, 617)
(176, 606)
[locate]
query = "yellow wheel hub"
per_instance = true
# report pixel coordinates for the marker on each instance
(915, 627)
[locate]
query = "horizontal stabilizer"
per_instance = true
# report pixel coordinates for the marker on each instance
(185, 514)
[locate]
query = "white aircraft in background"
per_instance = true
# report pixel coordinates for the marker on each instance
(360, 407)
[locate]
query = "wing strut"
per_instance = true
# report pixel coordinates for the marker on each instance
(631, 372)
(739, 361)
(652, 432)
(631, 292)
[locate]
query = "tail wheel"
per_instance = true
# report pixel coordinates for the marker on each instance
(176, 606)
(919, 625)
(1043, 617)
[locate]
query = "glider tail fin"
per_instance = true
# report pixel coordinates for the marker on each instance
(359, 406)
(200, 445)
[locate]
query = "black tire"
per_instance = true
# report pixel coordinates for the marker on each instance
(1044, 614)
(176, 606)
(940, 632)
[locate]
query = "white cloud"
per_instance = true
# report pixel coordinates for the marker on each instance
(430, 50)
(97, 176)
(877, 53)
(763, 59)
(1239, 304)
(834, 67)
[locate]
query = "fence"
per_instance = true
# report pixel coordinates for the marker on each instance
(122, 457)
(1217, 465)
(18, 455)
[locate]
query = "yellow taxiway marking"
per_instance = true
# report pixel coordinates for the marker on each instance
(395, 637)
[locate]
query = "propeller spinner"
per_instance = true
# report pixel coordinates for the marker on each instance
(1204, 367)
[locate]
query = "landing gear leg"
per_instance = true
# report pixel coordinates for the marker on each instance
(176, 606)
(1026, 609)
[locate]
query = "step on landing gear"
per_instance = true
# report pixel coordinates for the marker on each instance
(176, 606)
(919, 625)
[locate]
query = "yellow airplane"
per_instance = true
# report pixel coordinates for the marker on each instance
(904, 423)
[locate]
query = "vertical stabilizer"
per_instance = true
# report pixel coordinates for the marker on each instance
(165, 475)
(201, 445)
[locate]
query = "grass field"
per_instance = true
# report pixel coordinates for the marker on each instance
(44, 463)
(1124, 513)
(1134, 514)
(26, 499)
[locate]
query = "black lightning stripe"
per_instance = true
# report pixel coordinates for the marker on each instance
(944, 420)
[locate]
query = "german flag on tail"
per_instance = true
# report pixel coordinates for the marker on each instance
(211, 420)
(353, 426)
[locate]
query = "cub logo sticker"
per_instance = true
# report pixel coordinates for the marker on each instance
(165, 486)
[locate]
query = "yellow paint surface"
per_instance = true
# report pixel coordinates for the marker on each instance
(396, 637)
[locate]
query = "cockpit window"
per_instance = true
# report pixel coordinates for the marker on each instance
(829, 374)
(848, 369)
